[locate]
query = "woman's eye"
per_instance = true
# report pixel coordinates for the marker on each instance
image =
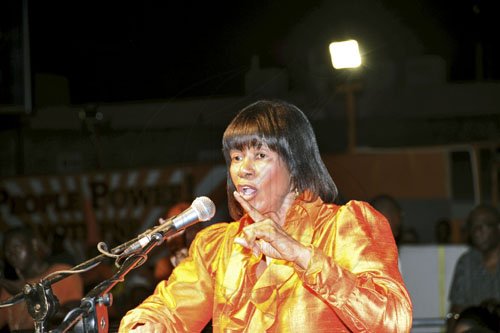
(236, 158)
(261, 155)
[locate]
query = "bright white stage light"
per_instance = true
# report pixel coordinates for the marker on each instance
(345, 54)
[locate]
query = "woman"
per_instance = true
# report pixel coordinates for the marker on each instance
(293, 261)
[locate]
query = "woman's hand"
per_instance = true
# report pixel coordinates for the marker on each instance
(266, 235)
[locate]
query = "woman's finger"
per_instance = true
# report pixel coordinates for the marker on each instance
(241, 241)
(254, 213)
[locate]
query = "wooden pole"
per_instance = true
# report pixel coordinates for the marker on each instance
(350, 89)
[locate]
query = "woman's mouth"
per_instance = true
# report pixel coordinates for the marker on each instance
(247, 191)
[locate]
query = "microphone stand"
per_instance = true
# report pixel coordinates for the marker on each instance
(93, 308)
(42, 303)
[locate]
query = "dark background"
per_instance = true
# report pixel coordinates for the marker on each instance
(120, 51)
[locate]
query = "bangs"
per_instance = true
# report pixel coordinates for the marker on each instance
(248, 134)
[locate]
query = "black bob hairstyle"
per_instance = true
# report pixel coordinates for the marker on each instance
(285, 129)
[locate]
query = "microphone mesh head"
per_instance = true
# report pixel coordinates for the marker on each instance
(204, 208)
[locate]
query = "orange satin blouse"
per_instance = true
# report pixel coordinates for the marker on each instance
(352, 284)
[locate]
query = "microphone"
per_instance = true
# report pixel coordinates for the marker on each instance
(202, 209)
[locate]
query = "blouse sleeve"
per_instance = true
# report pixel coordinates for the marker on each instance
(184, 303)
(356, 271)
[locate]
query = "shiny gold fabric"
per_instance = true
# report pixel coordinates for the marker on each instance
(352, 283)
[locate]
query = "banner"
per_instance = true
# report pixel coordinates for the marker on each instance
(125, 202)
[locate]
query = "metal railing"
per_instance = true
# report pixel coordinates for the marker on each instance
(429, 325)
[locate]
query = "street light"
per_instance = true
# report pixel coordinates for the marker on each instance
(344, 55)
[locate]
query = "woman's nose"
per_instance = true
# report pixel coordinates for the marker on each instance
(246, 168)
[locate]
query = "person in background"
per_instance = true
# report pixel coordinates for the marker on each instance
(59, 253)
(409, 235)
(477, 272)
(22, 250)
(390, 208)
(293, 260)
(477, 318)
(139, 283)
(442, 231)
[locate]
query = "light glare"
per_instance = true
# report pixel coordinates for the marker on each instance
(345, 54)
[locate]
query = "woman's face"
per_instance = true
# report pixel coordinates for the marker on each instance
(261, 177)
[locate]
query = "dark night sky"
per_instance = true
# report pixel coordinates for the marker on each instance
(124, 51)
(151, 50)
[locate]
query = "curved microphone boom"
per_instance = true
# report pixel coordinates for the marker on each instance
(202, 209)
